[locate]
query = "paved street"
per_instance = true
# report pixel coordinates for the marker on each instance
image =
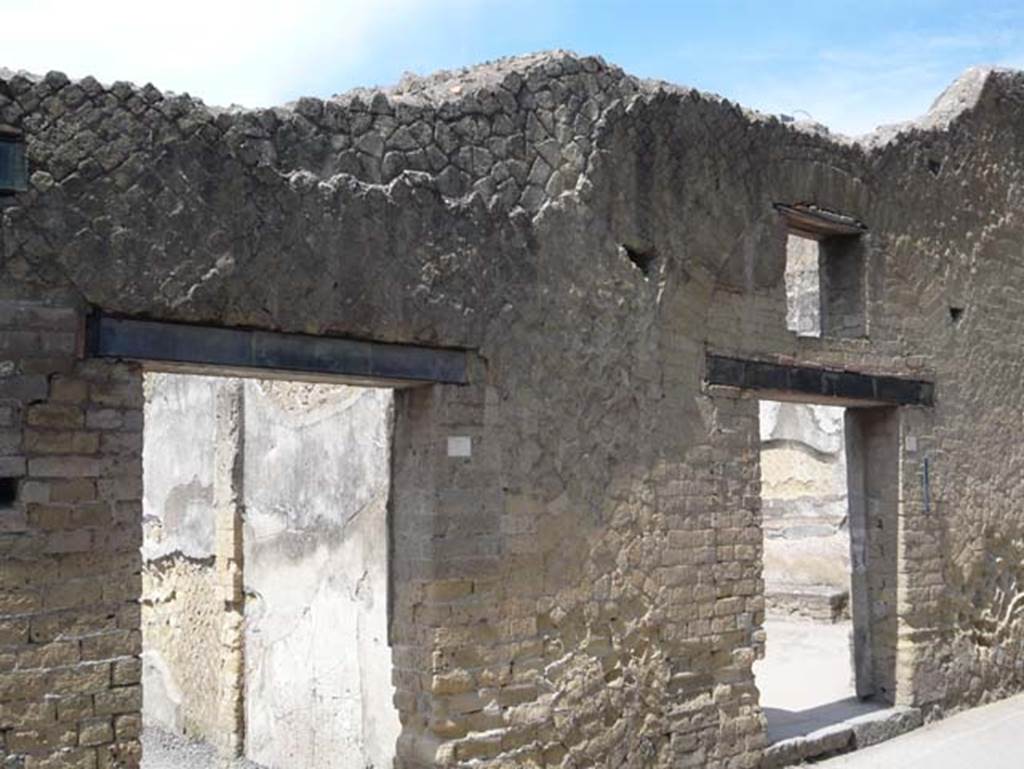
(991, 737)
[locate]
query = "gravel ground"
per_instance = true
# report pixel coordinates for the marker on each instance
(163, 750)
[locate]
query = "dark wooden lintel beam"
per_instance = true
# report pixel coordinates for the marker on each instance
(178, 346)
(817, 223)
(818, 383)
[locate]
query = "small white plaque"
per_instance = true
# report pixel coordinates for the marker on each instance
(911, 443)
(460, 446)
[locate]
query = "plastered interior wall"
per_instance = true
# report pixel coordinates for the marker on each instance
(182, 614)
(585, 588)
(318, 689)
(804, 505)
(315, 481)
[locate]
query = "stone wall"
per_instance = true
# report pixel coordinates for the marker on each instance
(191, 600)
(805, 510)
(71, 436)
(585, 588)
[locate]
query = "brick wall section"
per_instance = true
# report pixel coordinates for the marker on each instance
(69, 562)
(729, 589)
(449, 654)
(500, 663)
(921, 567)
(885, 521)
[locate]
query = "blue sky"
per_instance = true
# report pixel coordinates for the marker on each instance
(850, 65)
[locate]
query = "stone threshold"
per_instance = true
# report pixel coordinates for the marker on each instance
(843, 737)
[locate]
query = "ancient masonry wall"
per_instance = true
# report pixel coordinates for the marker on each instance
(803, 286)
(71, 435)
(586, 587)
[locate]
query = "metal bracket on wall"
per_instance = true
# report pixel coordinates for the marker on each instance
(927, 487)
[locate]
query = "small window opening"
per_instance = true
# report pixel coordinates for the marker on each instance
(803, 286)
(826, 272)
(955, 314)
(934, 166)
(13, 165)
(8, 491)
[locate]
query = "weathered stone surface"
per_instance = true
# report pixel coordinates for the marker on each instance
(877, 727)
(608, 517)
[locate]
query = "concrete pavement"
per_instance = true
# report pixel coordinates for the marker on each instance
(989, 737)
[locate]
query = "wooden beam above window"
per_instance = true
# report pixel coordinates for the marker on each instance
(271, 355)
(811, 221)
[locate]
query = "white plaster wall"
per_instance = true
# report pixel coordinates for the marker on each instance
(177, 461)
(318, 667)
(180, 610)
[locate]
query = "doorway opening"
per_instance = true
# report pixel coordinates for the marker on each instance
(265, 602)
(828, 501)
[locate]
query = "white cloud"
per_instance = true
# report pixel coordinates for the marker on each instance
(259, 53)
(252, 52)
(887, 81)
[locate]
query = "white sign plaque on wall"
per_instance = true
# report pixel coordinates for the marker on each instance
(460, 446)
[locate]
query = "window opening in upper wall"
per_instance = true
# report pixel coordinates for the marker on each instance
(826, 272)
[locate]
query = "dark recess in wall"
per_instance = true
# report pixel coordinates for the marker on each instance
(643, 260)
(8, 491)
